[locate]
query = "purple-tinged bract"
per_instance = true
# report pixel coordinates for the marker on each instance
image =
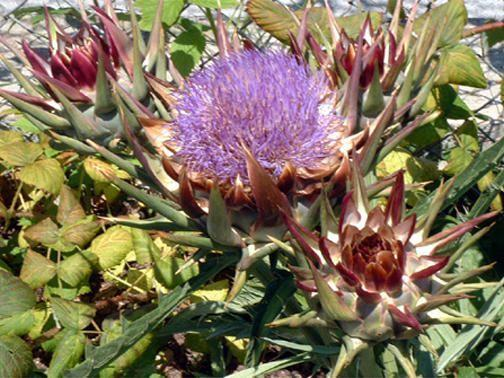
(266, 102)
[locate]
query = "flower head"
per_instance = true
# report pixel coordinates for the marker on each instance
(377, 274)
(267, 103)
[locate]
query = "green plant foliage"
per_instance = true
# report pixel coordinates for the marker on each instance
(186, 50)
(117, 260)
(148, 11)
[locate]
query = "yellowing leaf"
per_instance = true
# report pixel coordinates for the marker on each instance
(460, 65)
(9, 136)
(74, 315)
(37, 270)
(45, 232)
(216, 292)
(69, 210)
(19, 154)
(112, 246)
(100, 171)
(43, 174)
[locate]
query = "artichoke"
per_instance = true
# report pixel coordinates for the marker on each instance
(377, 274)
(82, 80)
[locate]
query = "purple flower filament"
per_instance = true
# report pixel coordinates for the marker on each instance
(267, 102)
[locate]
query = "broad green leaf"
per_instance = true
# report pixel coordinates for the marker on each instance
(417, 169)
(448, 100)
(112, 246)
(186, 50)
(19, 324)
(214, 4)
(73, 315)
(467, 372)
(43, 174)
(428, 134)
(460, 65)
(26, 125)
(68, 352)
(69, 210)
(277, 20)
(20, 154)
(15, 357)
(451, 17)
(148, 9)
(44, 232)
(468, 146)
(37, 270)
(81, 232)
(15, 296)
(60, 288)
(100, 357)
(77, 267)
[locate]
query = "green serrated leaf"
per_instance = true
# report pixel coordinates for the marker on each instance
(72, 315)
(186, 50)
(15, 297)
(37, 270)
(15, 357)
(19, 324)
(278, 20)
(9, 136)
(112, 247)
(44, 232)
(70, 210)
(77, 267)
(143, 245)
(148, 9)
(80, 233)
(43, 174)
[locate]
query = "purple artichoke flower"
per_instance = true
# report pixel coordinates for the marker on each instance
(263, 102)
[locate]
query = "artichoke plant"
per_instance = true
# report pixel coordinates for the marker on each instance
(82, 78)
(376, 274)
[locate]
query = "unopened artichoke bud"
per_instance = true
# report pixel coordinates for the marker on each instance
(376, 275)
(75, 97)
